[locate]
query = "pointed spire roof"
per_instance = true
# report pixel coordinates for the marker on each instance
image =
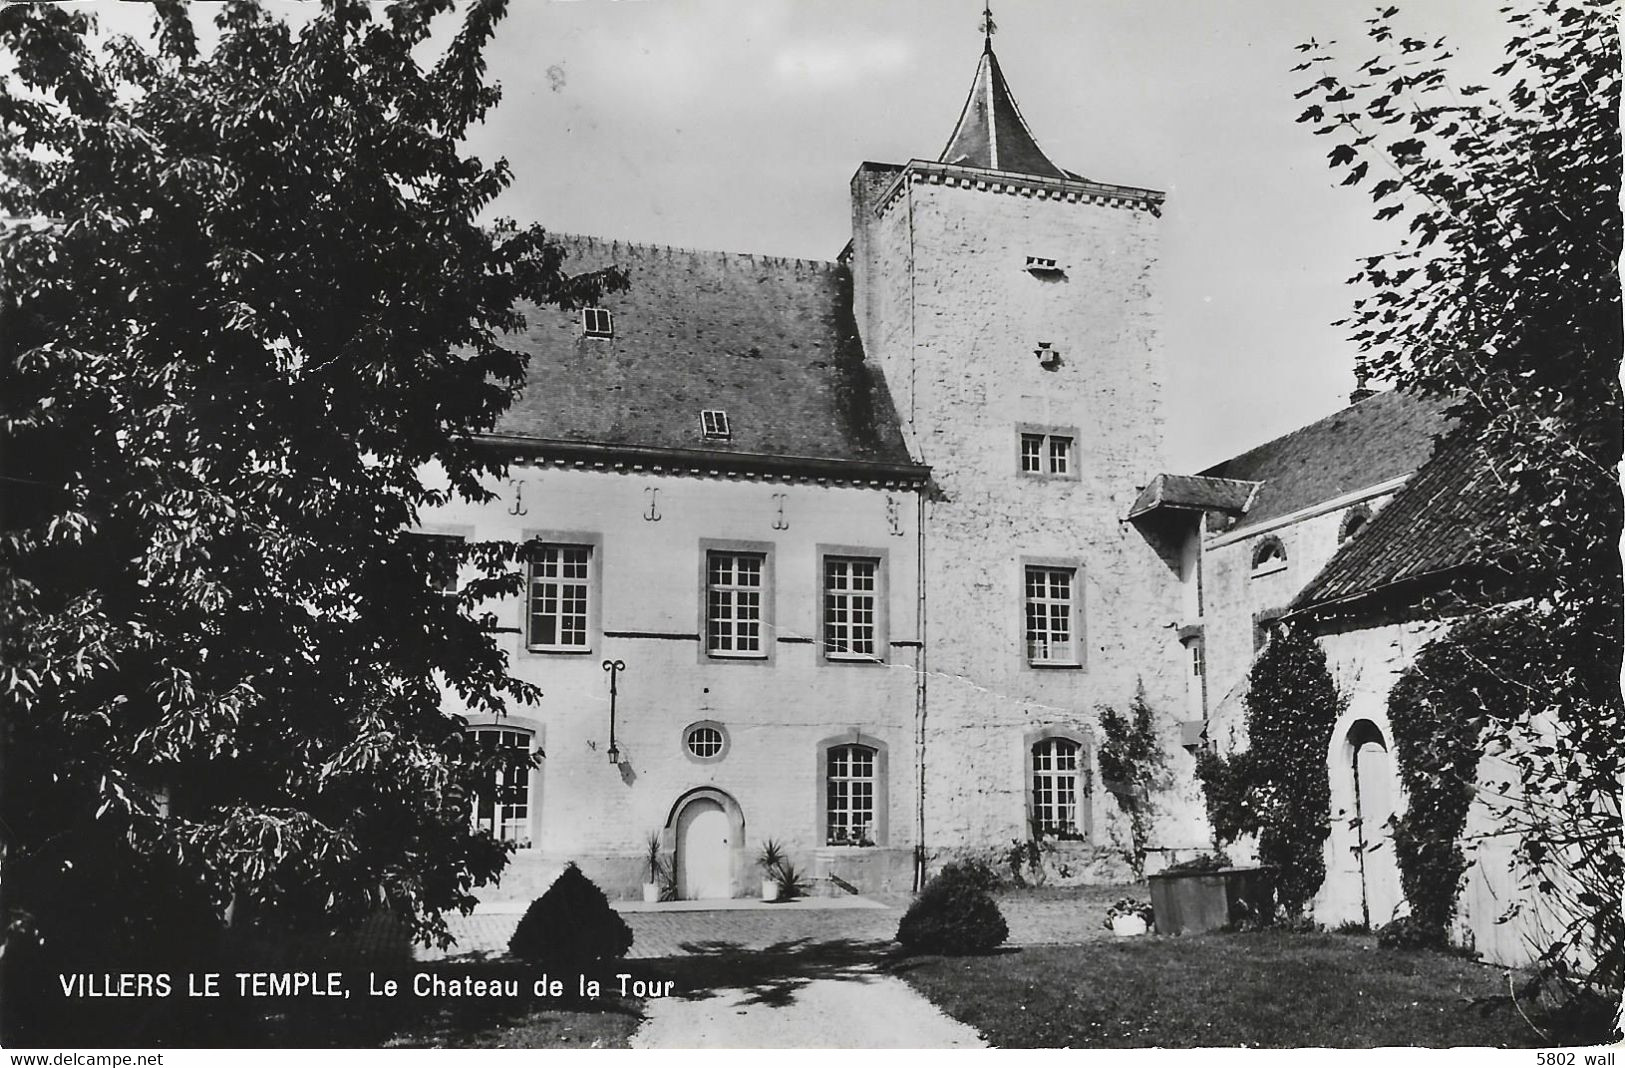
(991, 132)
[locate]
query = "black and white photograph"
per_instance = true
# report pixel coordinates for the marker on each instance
(806, 524)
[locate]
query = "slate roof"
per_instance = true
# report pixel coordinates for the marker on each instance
(1441, 522)
(1194, 492)
(770, 341)
(1383, 437)
(991, 132)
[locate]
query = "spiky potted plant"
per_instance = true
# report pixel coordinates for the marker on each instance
(791, 883)
(657, 868)
(770, 860)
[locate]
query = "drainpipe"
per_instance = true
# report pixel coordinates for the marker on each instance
(919, 687)
(920, 659)
(1201, 614)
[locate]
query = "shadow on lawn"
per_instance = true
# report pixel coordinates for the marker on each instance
(772, 975)
(222, 996)
(434, 1005)
(440, 1017)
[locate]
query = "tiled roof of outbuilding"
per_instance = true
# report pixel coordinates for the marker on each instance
(770, 341)
(1440, 522)
(1193, 492)
(1384, 437)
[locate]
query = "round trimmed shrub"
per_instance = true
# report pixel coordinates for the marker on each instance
(953, 915)
(571, 925)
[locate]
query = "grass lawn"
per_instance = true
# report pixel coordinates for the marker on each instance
(1270, 988)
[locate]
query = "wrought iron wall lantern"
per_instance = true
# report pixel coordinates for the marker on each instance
(614, 667)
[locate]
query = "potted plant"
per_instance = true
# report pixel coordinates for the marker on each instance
(1128, 917)
(668, 882)
(770, 860)
(791, 884)
(657, 868)
(853, 836)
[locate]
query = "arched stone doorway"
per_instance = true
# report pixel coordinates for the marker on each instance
(1371, 766)
(709, 835)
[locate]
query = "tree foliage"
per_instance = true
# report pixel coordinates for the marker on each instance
(1503, 294)
(1506, 681)
(1279, 787)
(1226, 796)
(257, 306)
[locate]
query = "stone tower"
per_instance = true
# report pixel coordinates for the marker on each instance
(1010, 304)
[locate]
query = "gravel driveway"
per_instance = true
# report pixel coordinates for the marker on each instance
(861, 1009)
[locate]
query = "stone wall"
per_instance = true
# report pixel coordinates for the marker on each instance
(1233, 599)
(954, 319)
(774, 711)
(1499, 914)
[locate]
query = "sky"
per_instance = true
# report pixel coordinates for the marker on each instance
(736, 125)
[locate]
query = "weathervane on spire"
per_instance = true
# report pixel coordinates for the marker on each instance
(989, 28)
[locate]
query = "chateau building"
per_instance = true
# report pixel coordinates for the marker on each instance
(849, 556)
(1375, 605)
(720, 500)
(1251, 534)
(853, 528)
(1365, 527)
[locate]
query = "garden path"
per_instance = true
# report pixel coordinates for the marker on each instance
(857, 1009)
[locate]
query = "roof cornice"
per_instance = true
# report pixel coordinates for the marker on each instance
(587, 454)
(1071, 190)
(1331, 504)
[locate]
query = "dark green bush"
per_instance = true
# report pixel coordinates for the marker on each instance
(952, 915)
(1232, 807)
(1279, 788)
(571, 925)
(1586, 1017)
(1410, 932)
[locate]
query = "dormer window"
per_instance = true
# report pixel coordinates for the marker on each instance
(597, 322)
(714, 424)
(1269, 557)
(1353, 521)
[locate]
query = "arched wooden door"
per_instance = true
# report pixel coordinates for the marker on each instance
(1374, 806)
(704, 852)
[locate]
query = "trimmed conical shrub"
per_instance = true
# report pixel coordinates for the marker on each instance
(571, 925)
(952, 915)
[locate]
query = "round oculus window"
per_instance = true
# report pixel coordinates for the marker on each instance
(705, 741)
